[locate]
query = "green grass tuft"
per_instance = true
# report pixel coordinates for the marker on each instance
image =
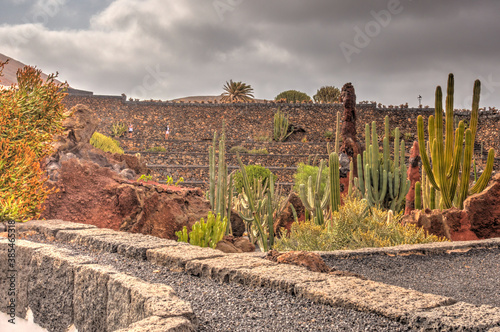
(105, 143)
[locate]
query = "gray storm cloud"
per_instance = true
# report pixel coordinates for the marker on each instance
(391, 50)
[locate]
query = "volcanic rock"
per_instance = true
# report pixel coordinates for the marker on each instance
(88, 193)
(309, 260)
(350, 144)
(231, 244)
(414, 176)
(286, 218)
(480, 218)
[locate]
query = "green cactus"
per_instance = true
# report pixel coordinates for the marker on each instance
(220, 190)
(281, 127)
(418, 196)
(382, 181)
(311, 200)
(257, 205)
(446, 153)
(205, 234)
(334, 182)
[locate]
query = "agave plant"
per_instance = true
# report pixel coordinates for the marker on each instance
(237, 92)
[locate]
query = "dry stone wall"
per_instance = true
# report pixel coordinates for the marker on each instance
(250, 126)
(251, 122)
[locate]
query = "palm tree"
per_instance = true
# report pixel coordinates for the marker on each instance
(237, 92)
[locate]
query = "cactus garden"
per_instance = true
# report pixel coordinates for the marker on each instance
(385, 183)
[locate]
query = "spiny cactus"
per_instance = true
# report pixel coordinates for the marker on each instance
(204, 234)
(446, 153)
(379, 182)
(281, 127)
(334, 181)
(331, 197)
(220, 190)
(257, 206)
(311, 200)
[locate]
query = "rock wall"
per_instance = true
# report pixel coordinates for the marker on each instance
(247, 122)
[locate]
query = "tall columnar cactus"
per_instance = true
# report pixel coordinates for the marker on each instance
(220, 190)
(281, 127)
(378, 181)
(334, 181)
(446, 152)
(311, 200)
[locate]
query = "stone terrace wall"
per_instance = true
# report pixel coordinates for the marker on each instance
(249, 121)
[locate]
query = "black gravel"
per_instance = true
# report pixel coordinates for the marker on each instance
(233, 307)
(472, 276)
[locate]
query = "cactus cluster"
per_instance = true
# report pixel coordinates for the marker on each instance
(204, 234)
(447, 160)
(382, 181)
(310, 197)
(257, 205)
(281, 127)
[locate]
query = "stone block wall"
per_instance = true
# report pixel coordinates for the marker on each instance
(64, 289)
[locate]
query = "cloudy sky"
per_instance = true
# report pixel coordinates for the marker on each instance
(391, 50)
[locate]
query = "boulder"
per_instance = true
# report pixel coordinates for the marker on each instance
(231, 244)
(237, 224)
(483, 210)
(227, 247)
(286, 218)
(309, 260)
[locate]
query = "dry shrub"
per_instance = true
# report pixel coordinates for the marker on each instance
(355, 226)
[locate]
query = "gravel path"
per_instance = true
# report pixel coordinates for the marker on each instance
(472, 276)
(233, 307)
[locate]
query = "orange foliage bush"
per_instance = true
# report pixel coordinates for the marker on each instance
(30, 115)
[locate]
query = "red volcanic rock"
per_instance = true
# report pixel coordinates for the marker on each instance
(452, 224)
(286, 218)
(483, 210)
(99, 196)
(309, 260)
(480, 218)
(414, 176)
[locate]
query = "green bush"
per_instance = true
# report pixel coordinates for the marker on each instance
(105, 143)
(238, 148)
(303, 173)
(293, 96)
(327, 94)
(354, 226)
(156, 149)
(254, 172)
(328, 134)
